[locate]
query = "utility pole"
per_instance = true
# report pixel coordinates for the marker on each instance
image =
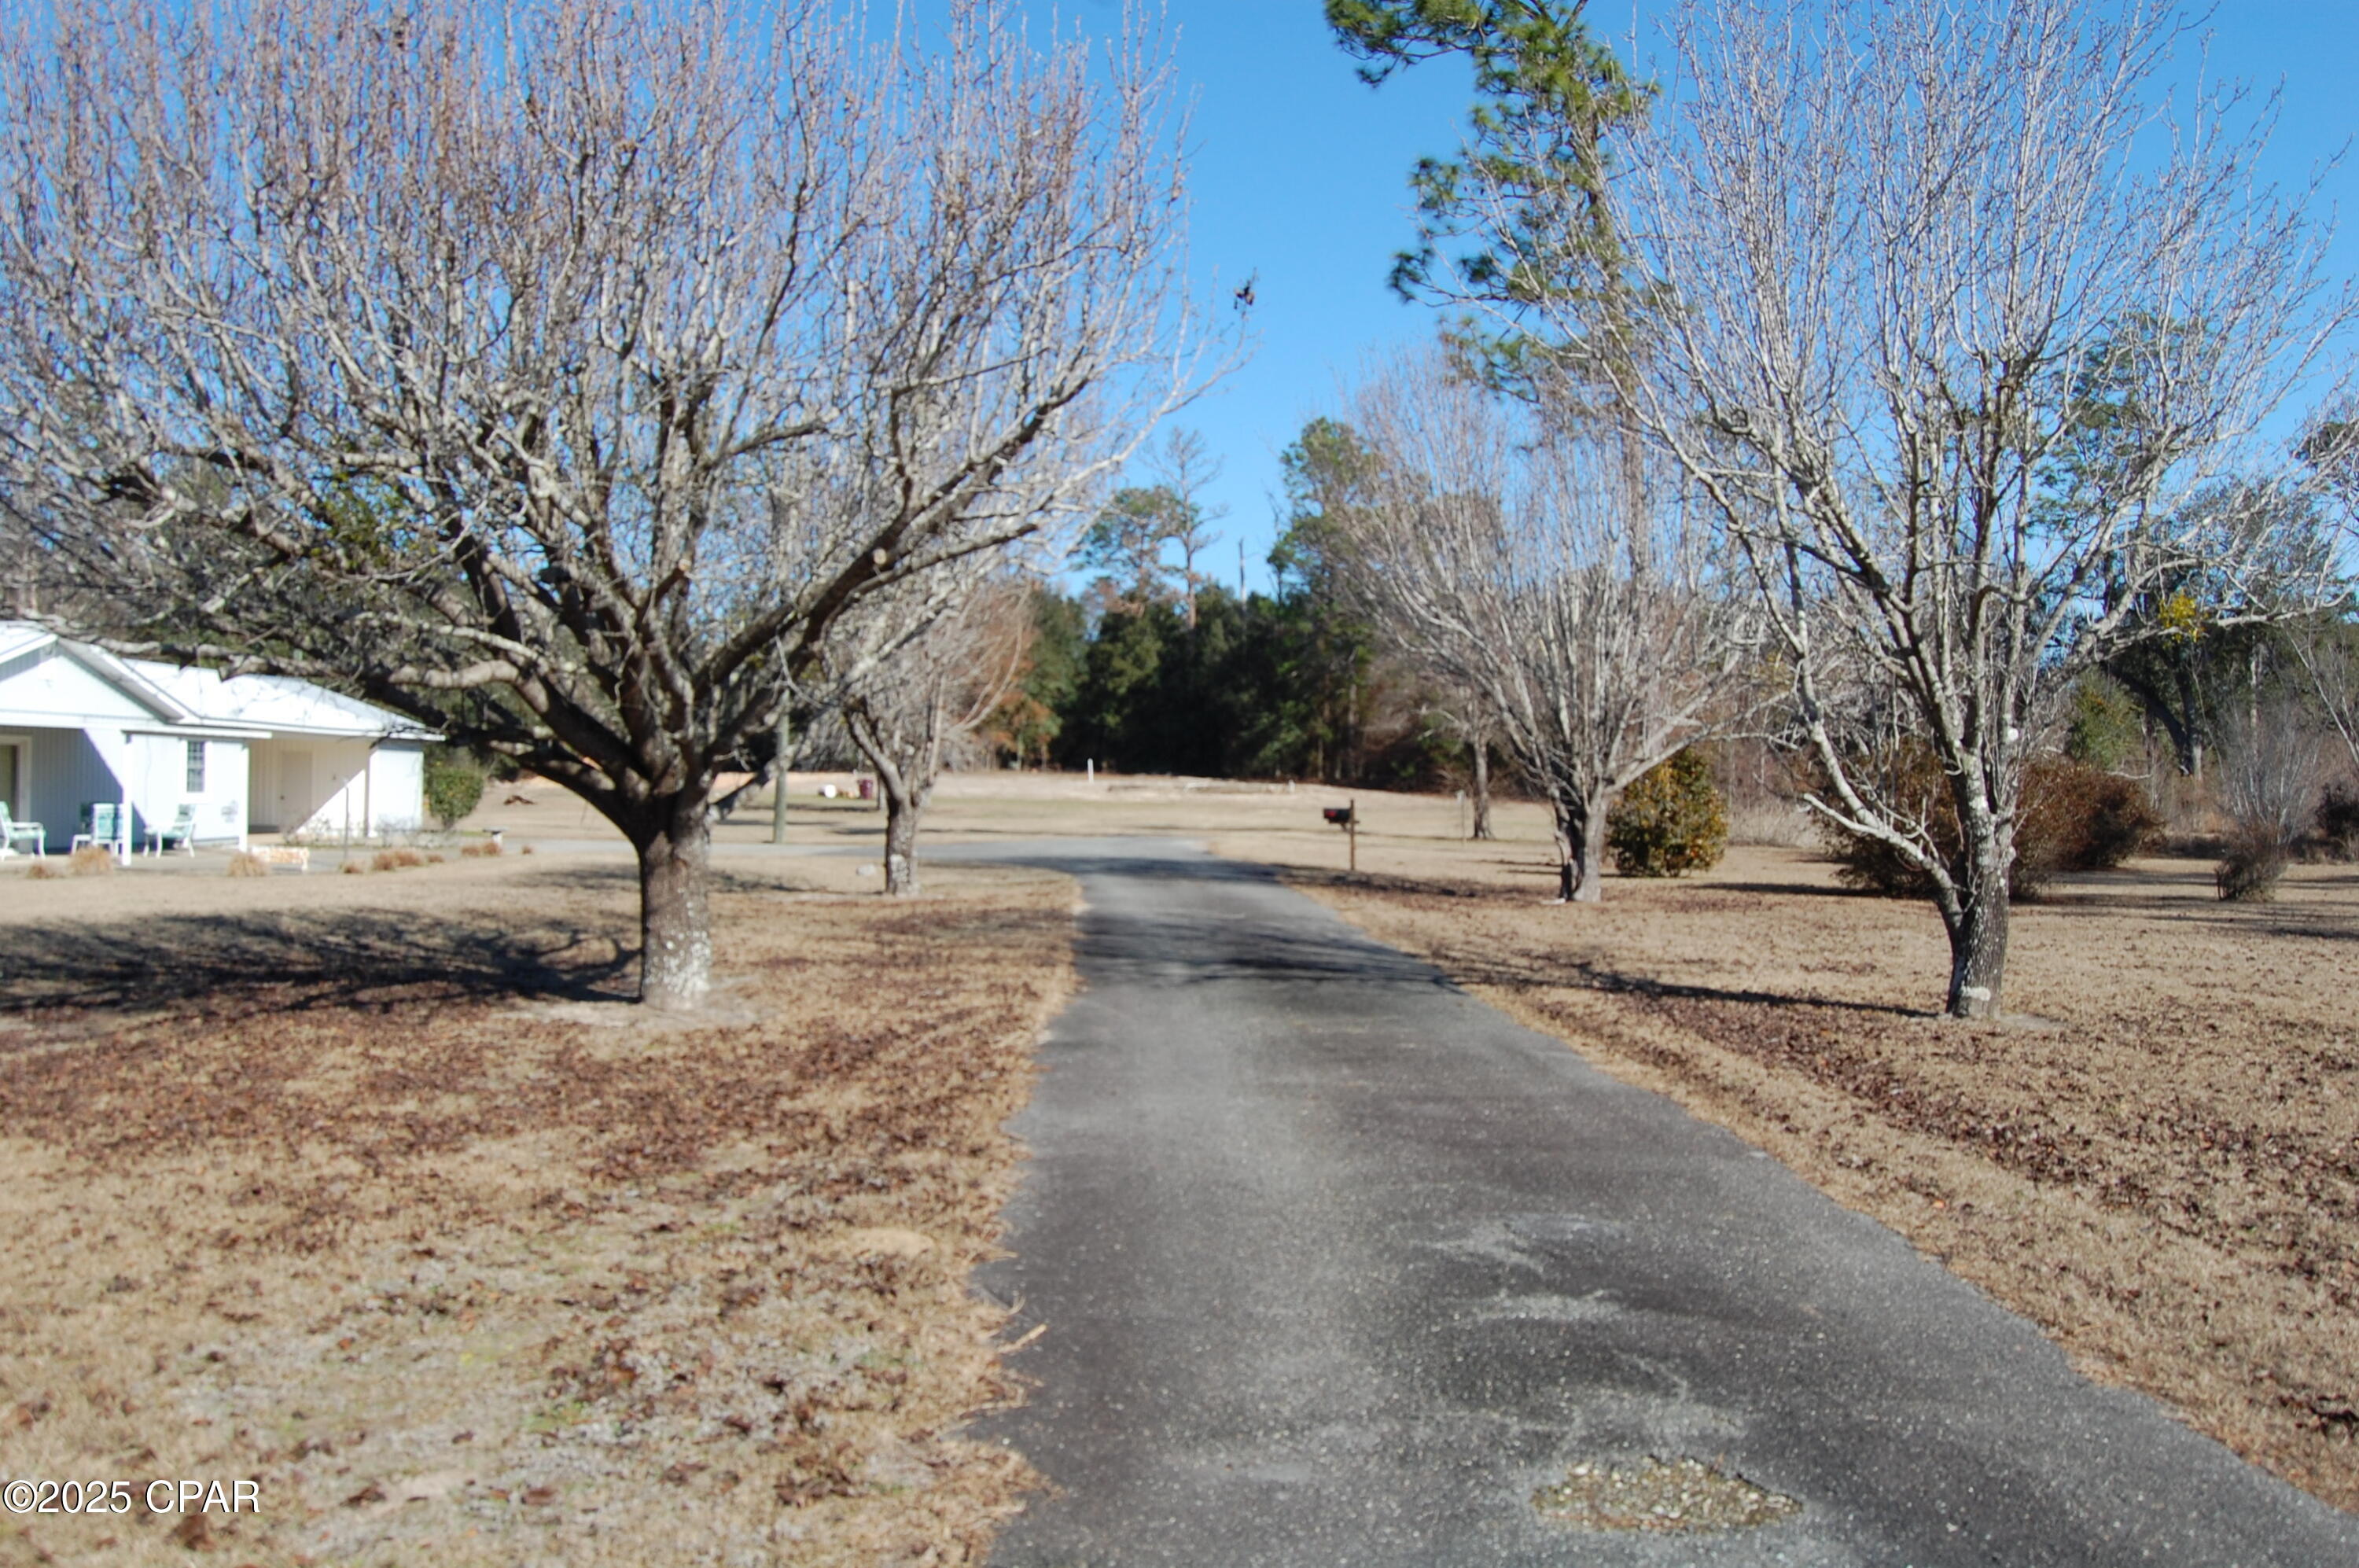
(778, 774)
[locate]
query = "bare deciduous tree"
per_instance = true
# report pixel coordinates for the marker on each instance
(2271, 768)
(557, 374)
(2326, 651)
(1954, 327)
(1130, 534)
(1184, 470)
(917, 670)
(1462, 717)
(1523, 565)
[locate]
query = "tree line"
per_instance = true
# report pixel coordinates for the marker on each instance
(1156, 667)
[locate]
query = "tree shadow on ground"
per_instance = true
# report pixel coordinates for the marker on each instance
(1404, 886)
(1468, 965)
(1803, 890)
(290, 963)
(1183, 949)
(1579, 975)
(1156, 858)
(623, 877)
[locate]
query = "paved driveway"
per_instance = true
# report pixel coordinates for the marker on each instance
(1338, 1266)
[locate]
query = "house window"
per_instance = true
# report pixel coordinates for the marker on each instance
(196, 768)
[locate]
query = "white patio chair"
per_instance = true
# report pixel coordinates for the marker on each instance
(12, 830)
(182, 830)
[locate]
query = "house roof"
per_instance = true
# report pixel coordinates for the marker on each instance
(198, 699)
(17, 636)
(277, 703)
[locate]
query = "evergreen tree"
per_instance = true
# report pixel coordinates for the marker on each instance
(1329, 651)
(1550, 98)
(1027, 723)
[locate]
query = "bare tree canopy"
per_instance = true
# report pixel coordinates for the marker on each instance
(1128, 539)
(557, 373)
(1530, 568)
(916, 672)
(1965, 339)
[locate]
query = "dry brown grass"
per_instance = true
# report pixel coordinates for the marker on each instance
(244, 865)
(302, 1191)
(92, 860)
(2157, 1158)
(2158, 1161)
(396, 860)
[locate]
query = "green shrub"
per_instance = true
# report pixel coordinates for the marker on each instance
(2106, 729)
(2073, 818)
(1670, 822)
(454, 786)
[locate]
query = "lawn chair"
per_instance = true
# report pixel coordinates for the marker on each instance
(12, 830)
(102, 824)
(184, 830)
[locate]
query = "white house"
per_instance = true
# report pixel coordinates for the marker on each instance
(81, 728)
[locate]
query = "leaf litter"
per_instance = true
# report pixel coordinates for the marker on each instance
(466, 1282)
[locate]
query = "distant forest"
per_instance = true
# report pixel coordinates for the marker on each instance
(1265, 686)
(1154, 667)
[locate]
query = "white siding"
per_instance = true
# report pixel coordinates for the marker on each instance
(67, 770)
(285, 754)
(67, 773)
(397, 785)
(221, 804)
(311, 786)
(48, 687)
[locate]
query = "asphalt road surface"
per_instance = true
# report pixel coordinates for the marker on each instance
(1339, 1265)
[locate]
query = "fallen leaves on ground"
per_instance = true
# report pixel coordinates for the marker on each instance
(465, 1278)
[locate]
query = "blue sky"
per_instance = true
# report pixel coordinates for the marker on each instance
(1301, 174)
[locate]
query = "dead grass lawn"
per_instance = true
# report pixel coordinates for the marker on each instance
(2157, 1159)
(293, 1186)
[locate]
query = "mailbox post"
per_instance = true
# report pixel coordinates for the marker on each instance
(1347, 817)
